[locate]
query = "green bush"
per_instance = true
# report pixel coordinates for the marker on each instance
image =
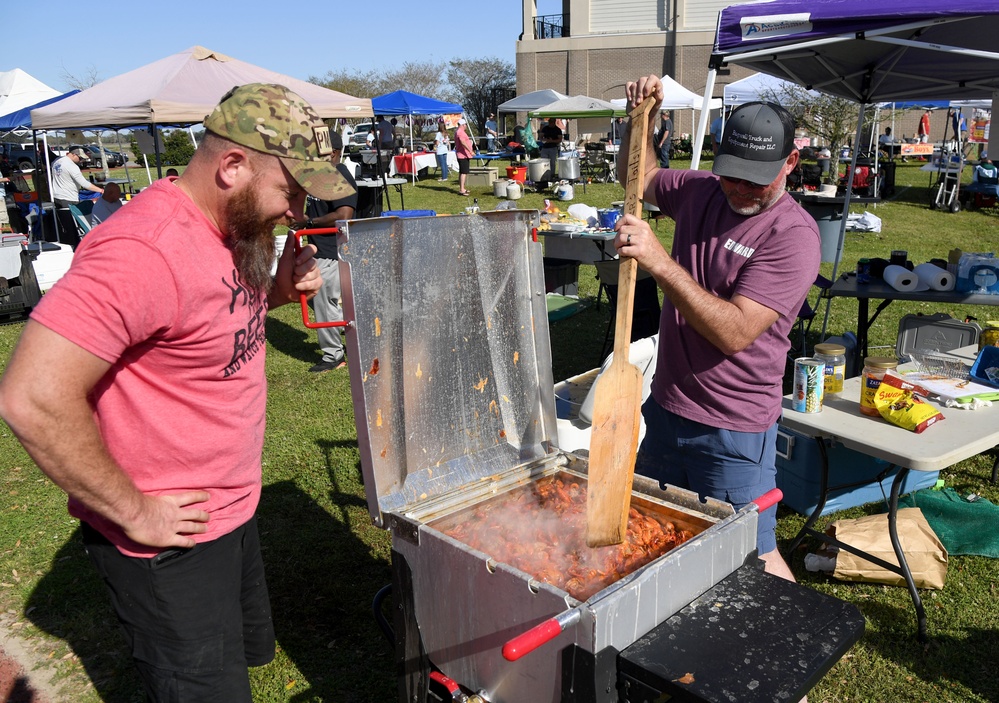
(177, 148)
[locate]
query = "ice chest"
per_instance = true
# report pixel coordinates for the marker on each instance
(799, 475)
(937, 332)
(482, 176)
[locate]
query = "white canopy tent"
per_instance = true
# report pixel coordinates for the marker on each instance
(676, 97)
(19, 90)
(759, 86)
(530, 101)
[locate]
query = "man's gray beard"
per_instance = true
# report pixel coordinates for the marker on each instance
(250, 238)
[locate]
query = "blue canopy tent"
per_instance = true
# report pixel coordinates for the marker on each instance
(21, 119)
(402, 102)
(869, 51)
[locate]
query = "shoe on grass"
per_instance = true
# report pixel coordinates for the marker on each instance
(328, 366)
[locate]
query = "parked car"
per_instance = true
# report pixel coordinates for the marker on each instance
(114, 159)
(20, 155)
(359, 136)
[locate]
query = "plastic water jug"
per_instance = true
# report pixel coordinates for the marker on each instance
(514, 190)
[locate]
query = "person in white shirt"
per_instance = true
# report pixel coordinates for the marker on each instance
(106, 205)
(442, 145)
(67, 182)
(491, 132)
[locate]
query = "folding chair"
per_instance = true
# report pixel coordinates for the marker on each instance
(595, 166)
(81, 218)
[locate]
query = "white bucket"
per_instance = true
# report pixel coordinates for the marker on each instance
(514, 191)
(499, 188)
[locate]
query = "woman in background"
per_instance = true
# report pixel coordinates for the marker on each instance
(442, 145)
(465, 150)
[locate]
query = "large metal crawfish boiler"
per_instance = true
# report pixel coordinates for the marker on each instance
(451, 378)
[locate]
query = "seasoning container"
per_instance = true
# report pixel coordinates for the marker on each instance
(989, 336)
(864, 271)
(806, 395)
(834, 356)
(874, 370)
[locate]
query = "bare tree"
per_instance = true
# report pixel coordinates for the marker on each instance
(833, 120)
(475, 82)
(360, 85)
(89, 80)
(423, 77)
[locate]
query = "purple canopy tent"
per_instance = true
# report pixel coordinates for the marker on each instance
(869, 51)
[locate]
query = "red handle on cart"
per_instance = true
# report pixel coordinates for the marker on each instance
(303, 298)
(768, 499)
(539, 634)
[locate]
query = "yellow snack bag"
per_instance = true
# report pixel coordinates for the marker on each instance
(903, 408)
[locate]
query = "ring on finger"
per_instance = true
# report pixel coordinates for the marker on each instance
(629, 239)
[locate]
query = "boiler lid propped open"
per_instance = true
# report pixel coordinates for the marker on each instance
(450, 358)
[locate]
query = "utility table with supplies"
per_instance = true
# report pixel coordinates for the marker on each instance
(961, 435)
(846, 286)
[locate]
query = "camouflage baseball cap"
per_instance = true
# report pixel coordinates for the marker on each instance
(272, 119)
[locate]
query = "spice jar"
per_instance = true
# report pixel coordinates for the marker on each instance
(989, 336)
(874, 370)
(834, 356)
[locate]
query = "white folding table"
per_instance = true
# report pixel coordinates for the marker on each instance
(961, 435)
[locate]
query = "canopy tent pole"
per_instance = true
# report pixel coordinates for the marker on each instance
(412, 149)
(844, 215)
(702, 122)
(121, 149)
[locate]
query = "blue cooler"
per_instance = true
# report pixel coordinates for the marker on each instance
(799, 474)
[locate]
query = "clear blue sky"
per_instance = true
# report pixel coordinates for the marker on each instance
(359, 35)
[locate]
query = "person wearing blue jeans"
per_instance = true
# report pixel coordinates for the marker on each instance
(442, 145)
(744, 256)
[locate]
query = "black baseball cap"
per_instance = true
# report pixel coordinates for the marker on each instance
(757, 140)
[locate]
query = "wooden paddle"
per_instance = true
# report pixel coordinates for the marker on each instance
(618, 395)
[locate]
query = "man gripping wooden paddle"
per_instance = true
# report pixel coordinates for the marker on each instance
(744, 257)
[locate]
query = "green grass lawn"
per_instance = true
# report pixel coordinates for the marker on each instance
(325, 560)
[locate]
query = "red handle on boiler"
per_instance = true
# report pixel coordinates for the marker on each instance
(303, 298)
(768, 499)
(539, 634)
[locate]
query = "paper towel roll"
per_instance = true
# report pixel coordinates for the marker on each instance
(935, 277)
(900, 278)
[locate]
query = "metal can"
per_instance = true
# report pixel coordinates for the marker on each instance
(864, 271)
(809, 381)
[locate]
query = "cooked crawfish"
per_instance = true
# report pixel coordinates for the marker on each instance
(541, 530)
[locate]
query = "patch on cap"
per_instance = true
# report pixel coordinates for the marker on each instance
(272, 119)
(757, 140)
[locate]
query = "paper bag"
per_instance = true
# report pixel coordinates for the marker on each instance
(924, 553)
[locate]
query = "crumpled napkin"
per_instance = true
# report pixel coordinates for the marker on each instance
(975, 404)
